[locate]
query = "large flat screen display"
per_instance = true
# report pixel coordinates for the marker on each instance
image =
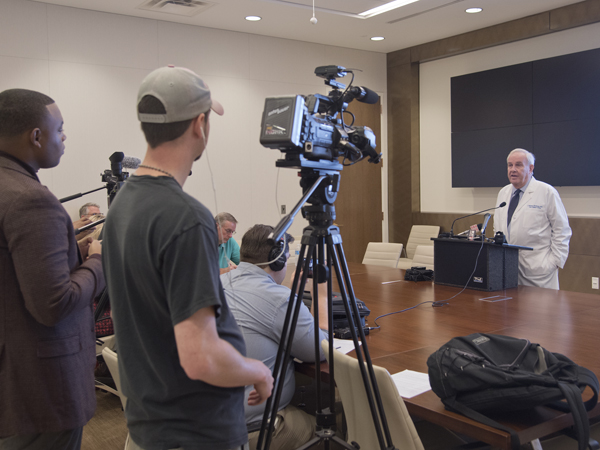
(550, 107)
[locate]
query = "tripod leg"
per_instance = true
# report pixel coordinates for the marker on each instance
(369, 380)
(285, 345)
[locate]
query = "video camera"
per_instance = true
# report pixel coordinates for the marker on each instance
(115, 176)
(310, 130)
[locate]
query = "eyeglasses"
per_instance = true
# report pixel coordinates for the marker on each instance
(231, 232)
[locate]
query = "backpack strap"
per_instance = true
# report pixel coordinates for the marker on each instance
(581, 423)
(588, 378)
(453, 405)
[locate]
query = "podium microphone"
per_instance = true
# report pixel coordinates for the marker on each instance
(486, 219)
(501, 205)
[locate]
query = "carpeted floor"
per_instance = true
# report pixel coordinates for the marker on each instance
(107, 430)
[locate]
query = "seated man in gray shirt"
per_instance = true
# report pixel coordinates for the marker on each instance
(259, 303)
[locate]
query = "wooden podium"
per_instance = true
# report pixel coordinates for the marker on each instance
(497, 266)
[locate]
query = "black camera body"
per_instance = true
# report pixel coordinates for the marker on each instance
(115, 176)
(312, 127)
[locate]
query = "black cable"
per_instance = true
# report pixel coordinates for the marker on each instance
(438, 303)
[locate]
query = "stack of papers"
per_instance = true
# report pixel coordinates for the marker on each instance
(410, 383)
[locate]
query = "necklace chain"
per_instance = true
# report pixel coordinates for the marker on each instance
(157, 169)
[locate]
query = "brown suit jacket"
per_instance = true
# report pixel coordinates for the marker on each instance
(47, 343)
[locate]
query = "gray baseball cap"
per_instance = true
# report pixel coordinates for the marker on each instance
(181, 91)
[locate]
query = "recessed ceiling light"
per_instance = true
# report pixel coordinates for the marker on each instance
(253, 18)
(377, 38)
(473, 10)
(385, 8)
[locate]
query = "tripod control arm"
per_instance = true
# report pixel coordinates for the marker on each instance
(286, 222)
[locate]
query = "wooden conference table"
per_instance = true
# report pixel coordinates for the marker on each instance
(561, 321)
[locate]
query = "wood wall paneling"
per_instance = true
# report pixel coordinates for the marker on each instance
(403, 149)
(575, 15)
(358, 206)
(504, 33)
(578, 272)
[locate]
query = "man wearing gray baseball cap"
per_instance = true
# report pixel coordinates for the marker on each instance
(181, 354)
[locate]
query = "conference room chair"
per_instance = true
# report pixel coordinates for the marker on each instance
(382, 254)
(101, 344)
(419, 235)
(112, 361)
(356, 407)
(423, 257)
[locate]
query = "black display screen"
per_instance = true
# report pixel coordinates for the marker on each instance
(550, 107)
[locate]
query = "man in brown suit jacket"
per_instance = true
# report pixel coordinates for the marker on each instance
(47, 349)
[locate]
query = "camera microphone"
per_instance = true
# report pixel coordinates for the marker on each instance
(131, 162)
(362, 94)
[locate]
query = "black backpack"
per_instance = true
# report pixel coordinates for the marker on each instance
(487, 373)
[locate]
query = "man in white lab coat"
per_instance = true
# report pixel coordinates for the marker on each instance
(535, 218)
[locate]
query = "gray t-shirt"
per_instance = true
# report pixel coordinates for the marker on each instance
(161, 264)
(259, 305)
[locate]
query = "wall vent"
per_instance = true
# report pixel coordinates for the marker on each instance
(178, 7)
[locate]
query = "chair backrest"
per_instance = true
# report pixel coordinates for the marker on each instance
(424, 256)
(356, 407)
(382, 254)
(112, 362)
(420, 235)
(104, 341)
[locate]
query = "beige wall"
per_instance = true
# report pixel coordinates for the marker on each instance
(92, 63)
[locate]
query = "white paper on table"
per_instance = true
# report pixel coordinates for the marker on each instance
(344, 345)
(410, 383)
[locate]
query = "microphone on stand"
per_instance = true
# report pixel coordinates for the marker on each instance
(501, 205)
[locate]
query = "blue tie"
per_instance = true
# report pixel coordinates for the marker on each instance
(513, 205)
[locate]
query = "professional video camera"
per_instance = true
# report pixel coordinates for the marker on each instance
(310, 130)
(115, 177)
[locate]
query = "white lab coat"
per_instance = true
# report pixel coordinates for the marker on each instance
(539, 221)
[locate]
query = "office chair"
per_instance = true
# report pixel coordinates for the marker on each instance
(356, 408)
(423, 257)
(101, 381)
(111, 359)
(419, 235)
(382, 254)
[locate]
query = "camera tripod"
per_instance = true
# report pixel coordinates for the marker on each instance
(321, 188)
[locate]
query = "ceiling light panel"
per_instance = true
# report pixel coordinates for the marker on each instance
(385, 8)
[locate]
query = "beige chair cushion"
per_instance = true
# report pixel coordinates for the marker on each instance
(382, 254)
(356, 407)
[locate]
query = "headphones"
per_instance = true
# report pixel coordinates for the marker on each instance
(277, 256)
